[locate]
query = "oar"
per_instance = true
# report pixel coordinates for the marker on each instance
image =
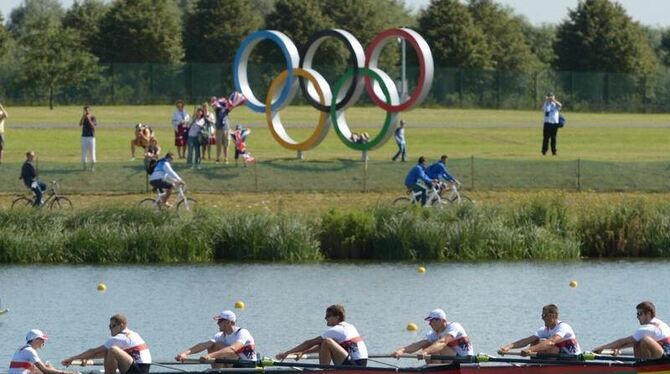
(486, 358)
(586, 356)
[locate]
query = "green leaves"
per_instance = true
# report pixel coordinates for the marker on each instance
(600, 36)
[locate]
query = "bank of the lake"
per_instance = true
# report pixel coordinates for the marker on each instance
(542, 228)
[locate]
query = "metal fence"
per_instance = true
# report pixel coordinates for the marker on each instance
(118, 84)
(479, 174)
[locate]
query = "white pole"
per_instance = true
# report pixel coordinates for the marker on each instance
(403, 86)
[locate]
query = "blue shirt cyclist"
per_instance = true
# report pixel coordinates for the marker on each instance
(418, 174)
(439, 170)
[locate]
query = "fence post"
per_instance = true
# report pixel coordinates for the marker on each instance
(460, 87)
(472, 172)
(111, 71)
(256, 176)
(579, 174)
(365, 171)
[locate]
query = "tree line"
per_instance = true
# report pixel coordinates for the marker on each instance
(44, 47)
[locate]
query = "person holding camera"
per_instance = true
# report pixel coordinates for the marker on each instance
(551, 108)
(88, 124)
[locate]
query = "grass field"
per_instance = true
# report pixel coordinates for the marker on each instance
(617, 152)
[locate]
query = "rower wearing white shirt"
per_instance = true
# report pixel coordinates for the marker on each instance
(125, 351)
(445, 339)
(26, 361)
(650, 341)
(341, 344)
(231, 342)
(556, 337)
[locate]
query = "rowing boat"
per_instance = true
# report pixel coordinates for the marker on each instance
(512, 366)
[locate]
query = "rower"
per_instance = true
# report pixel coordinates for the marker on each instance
(231, 342)
(556, 337)
(650, 341)
(125, 351)
(26, 361)
(341, 344)
(446, 338)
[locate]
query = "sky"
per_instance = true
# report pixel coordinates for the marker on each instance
(648, 12)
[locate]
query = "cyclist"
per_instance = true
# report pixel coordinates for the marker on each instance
(416, 175)
(438, 171)
(163, 177)
(29, 176)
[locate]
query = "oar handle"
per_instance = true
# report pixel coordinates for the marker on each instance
(85, 363)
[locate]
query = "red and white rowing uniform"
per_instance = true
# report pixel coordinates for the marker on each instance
(658, 330)
(23, 361)
(242, 336)
(567, 343)
(461, 343)
(133, 344)
(347, 336)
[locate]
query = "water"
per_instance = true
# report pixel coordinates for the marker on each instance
(172, 306)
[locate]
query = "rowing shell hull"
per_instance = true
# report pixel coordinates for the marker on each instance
(650, 367)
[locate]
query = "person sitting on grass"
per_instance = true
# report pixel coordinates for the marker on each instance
(163, 177)
(143, 135)
(151, 153)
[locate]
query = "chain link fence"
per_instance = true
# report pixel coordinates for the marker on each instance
(140, 84)
(479, 174)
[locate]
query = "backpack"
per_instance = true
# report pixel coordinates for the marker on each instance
(151, 165)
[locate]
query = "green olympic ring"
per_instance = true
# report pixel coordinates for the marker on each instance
(390, 122)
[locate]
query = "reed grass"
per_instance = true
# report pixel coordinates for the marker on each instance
(546, 227)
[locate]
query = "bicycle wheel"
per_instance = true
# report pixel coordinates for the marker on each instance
(185, 208)
(22, 202)
(402, 201)
(148, 204)
(465, 199)
(439, 203)
(60, 202)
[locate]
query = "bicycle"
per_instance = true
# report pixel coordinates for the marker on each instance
(433, 198)
(184, 206)
(53, 201)
(453, 196)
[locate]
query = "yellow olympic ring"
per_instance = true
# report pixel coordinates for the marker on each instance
(320, 85)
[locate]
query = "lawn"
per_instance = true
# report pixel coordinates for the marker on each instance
(489, 150)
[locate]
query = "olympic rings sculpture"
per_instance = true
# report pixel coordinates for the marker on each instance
(363, 73)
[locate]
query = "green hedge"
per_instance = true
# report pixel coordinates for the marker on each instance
(540, 229)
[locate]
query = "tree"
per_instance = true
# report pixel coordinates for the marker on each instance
(84, 18)
(52, 59)
(141, 31)
(504, 36)
(541, 41)
(455, 39)
(599, 36)
(47, 12)
(3, 35)
(215, 28)
(298, 19)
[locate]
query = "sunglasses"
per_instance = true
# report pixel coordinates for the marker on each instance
(639, 314)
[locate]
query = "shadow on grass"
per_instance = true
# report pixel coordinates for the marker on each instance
(292, 164)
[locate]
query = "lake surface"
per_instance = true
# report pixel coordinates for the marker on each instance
(172, 306)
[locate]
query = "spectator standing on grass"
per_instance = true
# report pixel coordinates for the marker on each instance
(400, 141)
(207, 137)
(29, 177)
(180, 121)
(222, 126)
(3, 117)
(551, 108)
(88, 124)
(196, 126)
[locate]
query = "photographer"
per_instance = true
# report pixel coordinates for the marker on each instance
(550, 107)
(88, 124)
